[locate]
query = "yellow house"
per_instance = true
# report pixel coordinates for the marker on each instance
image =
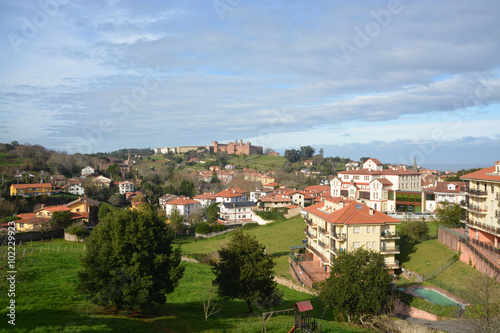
(342, 225)
(85, 207)
(29, 222)
(31, 189)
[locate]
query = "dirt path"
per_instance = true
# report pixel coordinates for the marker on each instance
(294, 285)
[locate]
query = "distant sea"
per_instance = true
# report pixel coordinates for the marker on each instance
(454, 166)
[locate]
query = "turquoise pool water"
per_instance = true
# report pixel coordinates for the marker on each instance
(434, 297)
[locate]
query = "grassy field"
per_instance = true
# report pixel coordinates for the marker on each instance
(261, 162)
(424, 257)
(277, 237)
(47, 301)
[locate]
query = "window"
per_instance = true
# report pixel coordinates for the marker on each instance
(374, 230)
(21, 225)
(356, 230)
(373, 244)
(367, 177)
(355, 245)
(368, 229)
(368, 245)
(355, 177)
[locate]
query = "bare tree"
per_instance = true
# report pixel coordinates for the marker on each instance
(484, 292)
(212, 304)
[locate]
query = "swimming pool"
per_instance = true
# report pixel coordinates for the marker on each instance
(434, 297)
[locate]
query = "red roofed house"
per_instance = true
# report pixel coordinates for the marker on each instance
(232, 194)
(185, 205)
(386, 190)
(451, 192)
(483, 205)
(206, 199)
(342, 225)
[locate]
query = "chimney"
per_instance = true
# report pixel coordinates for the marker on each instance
(43, 206)
(371, 211)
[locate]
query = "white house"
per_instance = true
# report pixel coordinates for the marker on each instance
(236, 212)
(185, 205)
(206, 199)
(125, 186)
(232, 194)
(87, 171)
(74, 189)
(257, 193)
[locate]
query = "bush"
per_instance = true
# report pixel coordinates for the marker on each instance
(205, 228)
(414, 231)
(271, 215)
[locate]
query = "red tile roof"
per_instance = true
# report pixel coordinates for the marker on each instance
(232, 192)
(20, 186)
(352, 213)
(304, 306)
(442, 187)
(182, 201)
(59, 208)
(483, 174)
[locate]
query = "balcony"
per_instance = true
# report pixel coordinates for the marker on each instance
(309, 235)
(321, 256)
(338, 237)
(497, 214)
(321, 244)
(309, 222)
(485, 227)
(497, 197)
(390, 249)
(477, 193)
(323, 231)
(395, 265)
(476, 209)
(389, 235)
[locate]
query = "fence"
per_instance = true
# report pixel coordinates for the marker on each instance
(436, 271)
(469, 254)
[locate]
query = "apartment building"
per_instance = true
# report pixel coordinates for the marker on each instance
(338, 225)
(386, 190)
(482, 204)
(31, 189)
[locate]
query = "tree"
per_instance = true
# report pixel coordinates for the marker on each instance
(414, 231)
(292, 155)
(358, 285)
(175, 219)
(212, 212)
(245, 271)
(449, 214)
(307, 151)
(214, 179)
(61, 219)
(130, 262)
(484, 291)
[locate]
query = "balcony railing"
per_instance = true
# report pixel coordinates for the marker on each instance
(323, 231)
(389, 235)
(476, 192)
(476, 209)
(394, 265)
(319, 255)
(309, 235)
(486, 227)
(321, 244)
(339, 237)
(390, 249)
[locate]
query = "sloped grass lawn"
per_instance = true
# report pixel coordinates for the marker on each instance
(47, 301)
(277, 237)
(424, 257)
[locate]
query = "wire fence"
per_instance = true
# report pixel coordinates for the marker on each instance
(439, 270)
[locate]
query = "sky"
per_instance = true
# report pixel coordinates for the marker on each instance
(395, 80)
